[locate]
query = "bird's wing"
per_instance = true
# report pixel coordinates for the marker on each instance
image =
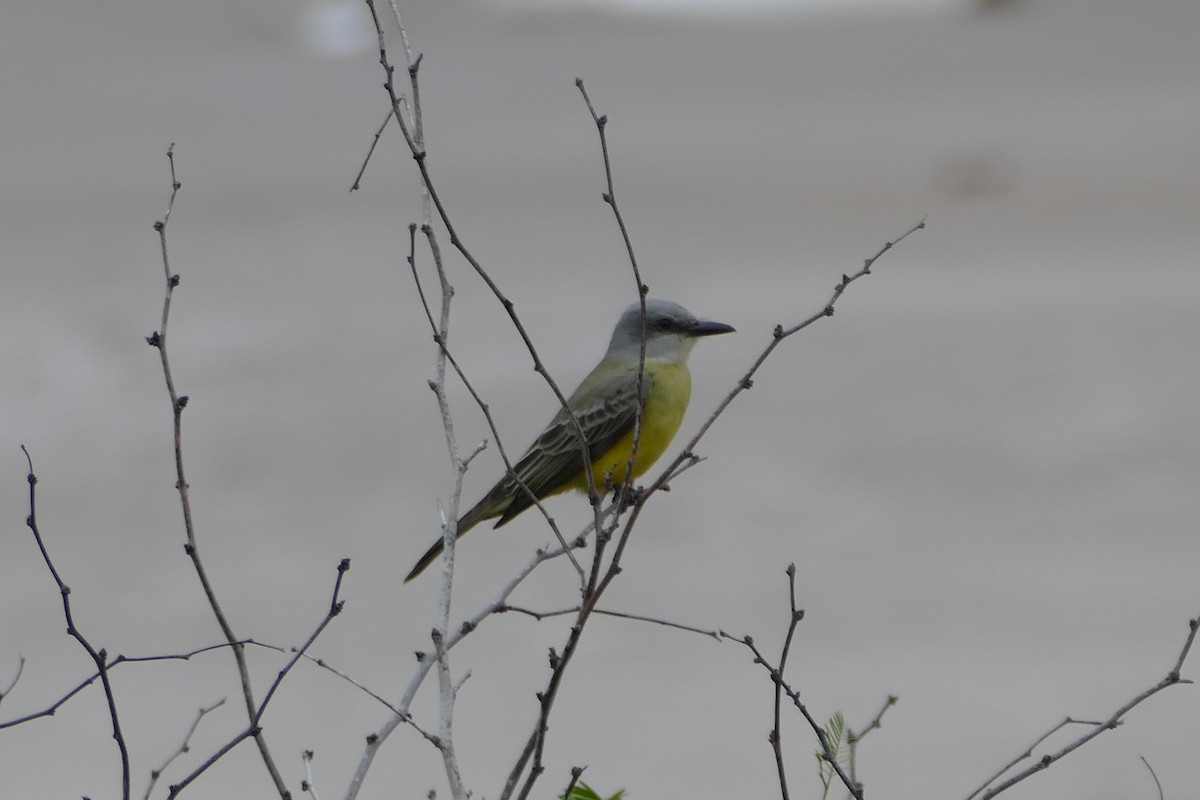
(556, 458)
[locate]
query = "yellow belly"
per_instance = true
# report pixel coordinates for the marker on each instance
(663, 413)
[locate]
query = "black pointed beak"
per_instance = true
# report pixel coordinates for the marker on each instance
(708, 328)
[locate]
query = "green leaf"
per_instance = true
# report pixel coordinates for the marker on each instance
(581, 791)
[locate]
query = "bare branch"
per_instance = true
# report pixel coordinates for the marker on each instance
(254, 728)
(370, 151)
(794, 696)
(417, 148)
(158, 340)
(610, 197)
(540, 615)
(99, 657)
(50, 710)
(1172, 678)
(309, 784)
(183, 748)
(853, 739)
(1154, 775)
(16, 677)
(776, 737)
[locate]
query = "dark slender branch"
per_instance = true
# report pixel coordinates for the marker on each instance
(158, 340)
(540, 615)
(1028, 751)
(776, 737)
(50, 710)
(370, 151)
(1171, 678)
(335, 607)
(599, 581)
(325, 665)
(479, 401)
(254, 729)
(778, 679)
(416, 147)
(13, 683)
(1154, 775)
(99, 657)
(576, 774)
(777, 337)
(597, 585)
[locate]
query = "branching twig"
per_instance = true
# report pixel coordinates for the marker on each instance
(610, 197)
(425, 662)
(1171, 678)
(50, 710)
(183, 748)
(254, 728)
(1028, 751)
(417, 147)
(598, 582)
(776, 739)
(99, 657)
(778, 679)
(853, 738)
(444, 349)
(158, 340)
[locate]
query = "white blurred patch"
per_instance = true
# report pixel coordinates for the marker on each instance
(336, 28)
(722, 8)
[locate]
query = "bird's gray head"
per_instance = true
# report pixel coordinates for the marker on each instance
(671, 331)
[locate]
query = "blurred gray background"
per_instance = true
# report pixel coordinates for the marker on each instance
(984, 466)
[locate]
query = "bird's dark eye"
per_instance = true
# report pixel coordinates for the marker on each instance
(663, 324)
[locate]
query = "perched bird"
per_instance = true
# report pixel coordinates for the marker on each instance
(606, 406)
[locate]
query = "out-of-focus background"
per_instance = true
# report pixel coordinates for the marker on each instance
(985, 466)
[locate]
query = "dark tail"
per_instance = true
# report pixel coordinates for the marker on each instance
(470, 520)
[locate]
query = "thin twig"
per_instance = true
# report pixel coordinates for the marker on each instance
(794, 696)
(853, 739)
(776, 738)
(99, 657)
(13, 683)
(370, 151)
(309, 784)
(540, 615)
(254, 729)
(158, 340)
(1028, 751)
(597, 584)
(610, 197)
(1172, 678)
(479, 401)
(50, 710)
(1154, 775)
(425, 662)
(325, 665)
(183, 748)
(417, 148)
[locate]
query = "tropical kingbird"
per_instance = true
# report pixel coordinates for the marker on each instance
(605, 404)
